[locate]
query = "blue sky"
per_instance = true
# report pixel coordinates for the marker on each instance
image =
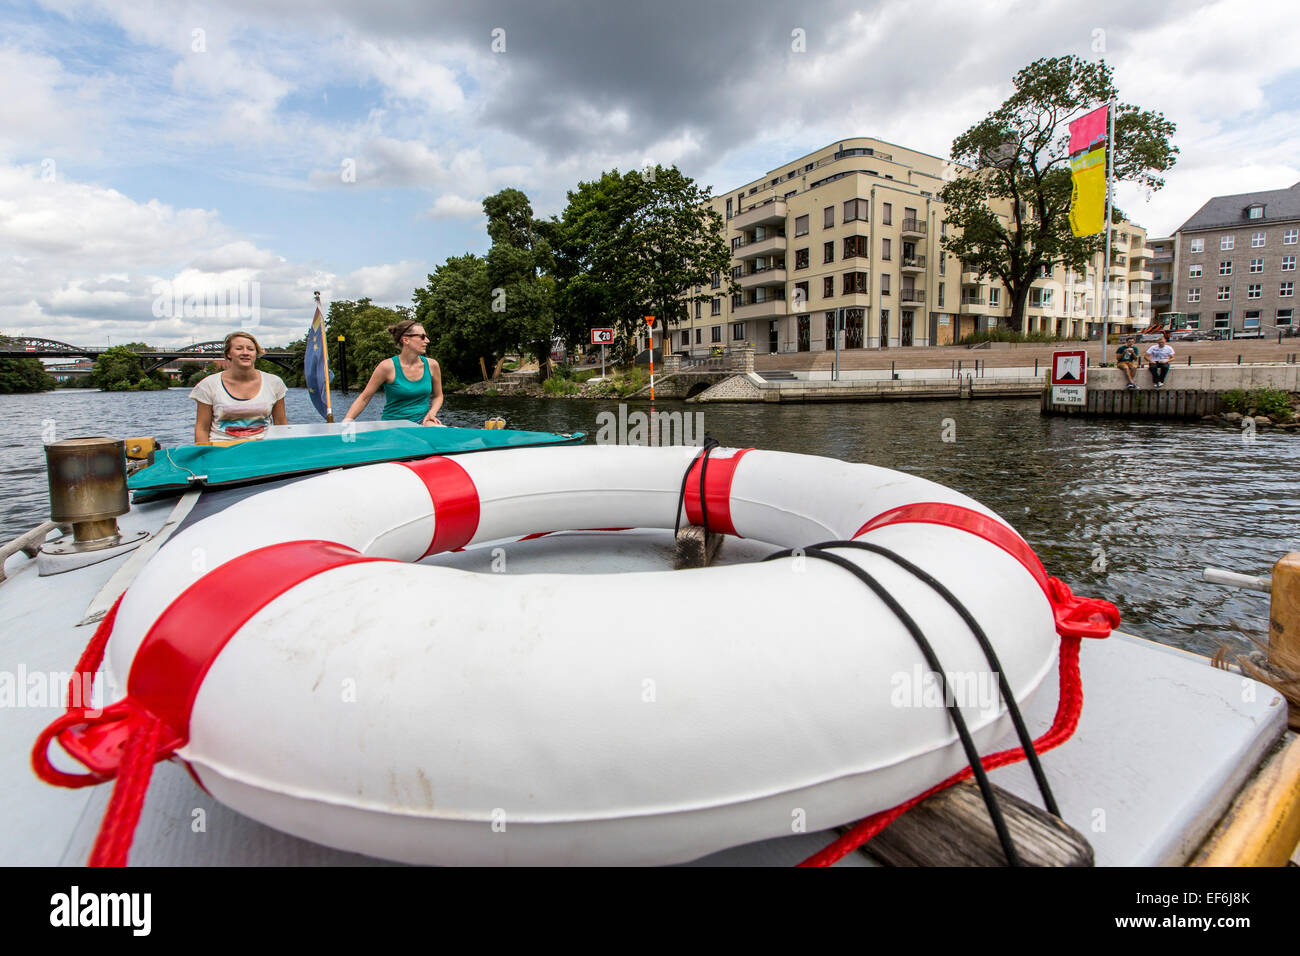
(200, 146)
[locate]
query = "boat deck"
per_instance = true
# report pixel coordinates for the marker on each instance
(1163, 746)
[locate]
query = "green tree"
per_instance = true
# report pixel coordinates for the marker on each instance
(455, 310)
(121, 369)
(1019, 159)
(365, 327)
(24, 375)
(636, 244)
(522, 297)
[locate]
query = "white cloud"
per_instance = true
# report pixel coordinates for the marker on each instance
(456, 207)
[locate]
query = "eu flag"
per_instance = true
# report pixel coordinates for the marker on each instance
(316, 367)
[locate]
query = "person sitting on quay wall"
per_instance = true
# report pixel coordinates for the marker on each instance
(1159, 356)
(411, 382)
(240, 402)
(1126, 359)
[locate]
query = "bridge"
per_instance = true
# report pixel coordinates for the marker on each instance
(23, 346)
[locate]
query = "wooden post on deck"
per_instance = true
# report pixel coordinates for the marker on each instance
(1284, 622)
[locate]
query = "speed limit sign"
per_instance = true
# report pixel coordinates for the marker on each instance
(602, 336)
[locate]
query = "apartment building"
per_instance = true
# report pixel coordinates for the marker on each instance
(1163, 271)
(1234, 263)
(856, 226)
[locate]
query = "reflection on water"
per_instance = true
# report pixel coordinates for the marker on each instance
(1128, 511)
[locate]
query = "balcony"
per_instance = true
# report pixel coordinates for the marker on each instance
(912, 264)
(770, 212)
(771, 309)
(969, 276)
(1146, 252)
(972, 305)
(913, 227)
(762, 277)
(911, 295)
(1142, 275)
(760, 247)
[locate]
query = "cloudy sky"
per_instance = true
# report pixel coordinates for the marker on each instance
(267, 148)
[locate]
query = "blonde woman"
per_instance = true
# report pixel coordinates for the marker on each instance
(240, 402)
(412, 383)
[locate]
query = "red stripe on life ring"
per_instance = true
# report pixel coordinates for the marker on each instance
(180, 647)
(964, 519)
(1075, 616)
(717, 492)
(455, 502)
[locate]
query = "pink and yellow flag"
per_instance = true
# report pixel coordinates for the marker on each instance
(1088, 170)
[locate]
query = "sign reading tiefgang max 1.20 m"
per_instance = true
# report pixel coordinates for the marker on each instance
(1069, 377)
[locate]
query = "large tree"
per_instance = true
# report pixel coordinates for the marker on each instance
(636, 244)
(1020, 165)
(455, 309)
(522, 296)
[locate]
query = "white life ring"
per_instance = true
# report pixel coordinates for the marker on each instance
(315, 679)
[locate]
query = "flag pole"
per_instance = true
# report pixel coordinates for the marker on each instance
(325, 351)
(1105, 281)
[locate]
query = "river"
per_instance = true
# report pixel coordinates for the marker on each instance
(1130, 511)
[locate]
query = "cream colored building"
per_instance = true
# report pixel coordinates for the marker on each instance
(857, 226)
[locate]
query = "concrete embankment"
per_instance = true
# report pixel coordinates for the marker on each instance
(919, 385)
(1189, 391)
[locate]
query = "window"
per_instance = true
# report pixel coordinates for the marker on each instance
(1255, 212)
(1291, 237)
(884, 249)
(884, 283)
(716, 307)
(941, 295)
(887, 214)
(828, 287)
(699, 307)
(828, 217)
(717, 280)
(1221, 319)
(801, 258)
(856, 283)
(738, 330)
(1256, 240)
(1254, 290)
(1225, 293)
(1194, 295)
(1226, 243)
(728, 210)
(716, 334)
(1256, 265)
(1040, 298)
(995, 297)
(698, 333)
(800, 295)
(801, 226)
(1198, 245)
(1193, 320)
(1288, 288)
(737, 300)
(1252, 319)
(1193, 272)
(1284, 316)
(1288, 263)
(1225, 268)
(942, 260)
(855, 210)
(686, 338)
(857, 247)
(828, 252)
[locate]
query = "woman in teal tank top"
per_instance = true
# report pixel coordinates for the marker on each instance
(412, 383)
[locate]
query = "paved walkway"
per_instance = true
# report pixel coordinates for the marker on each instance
(1007, 355)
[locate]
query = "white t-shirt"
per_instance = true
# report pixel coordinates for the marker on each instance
(239, 418)
(1160, 353)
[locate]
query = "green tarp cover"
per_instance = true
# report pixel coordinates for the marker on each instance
(208, 466)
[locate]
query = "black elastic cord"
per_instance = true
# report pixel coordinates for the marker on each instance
(710, 443)
(1026, 742)
(968, 744)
